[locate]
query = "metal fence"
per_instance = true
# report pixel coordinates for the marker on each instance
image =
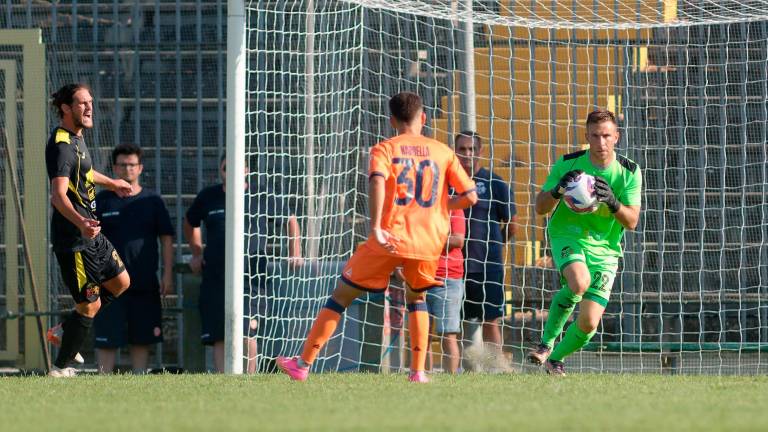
(157, 70)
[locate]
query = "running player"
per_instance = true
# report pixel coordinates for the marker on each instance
(409, 176)
(586, 247)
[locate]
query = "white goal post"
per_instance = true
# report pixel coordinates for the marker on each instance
(235, 135)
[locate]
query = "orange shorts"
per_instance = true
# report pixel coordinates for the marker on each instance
(369, 270)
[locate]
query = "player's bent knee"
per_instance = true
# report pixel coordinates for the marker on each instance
(344, 294)
(578, 278)
(588, 324)
(88, 309)
(118, 284)
(579, 287)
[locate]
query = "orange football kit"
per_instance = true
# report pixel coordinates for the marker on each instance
(417, 171)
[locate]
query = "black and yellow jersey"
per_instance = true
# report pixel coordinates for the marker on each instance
(67, 156)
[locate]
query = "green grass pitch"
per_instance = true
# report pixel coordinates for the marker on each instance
(387, 402)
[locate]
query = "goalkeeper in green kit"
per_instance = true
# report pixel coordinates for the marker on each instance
(586, 247)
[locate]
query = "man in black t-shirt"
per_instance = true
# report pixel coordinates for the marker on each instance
(490, 227)
(134, 224)
(265, 217)
(90, 266)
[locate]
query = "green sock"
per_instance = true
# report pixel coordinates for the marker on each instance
(574, 340)
(563, 304)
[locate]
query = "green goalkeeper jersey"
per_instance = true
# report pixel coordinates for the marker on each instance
(599, 231)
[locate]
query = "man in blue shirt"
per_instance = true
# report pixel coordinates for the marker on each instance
(134, 224)
(490, 225)
(265, 217)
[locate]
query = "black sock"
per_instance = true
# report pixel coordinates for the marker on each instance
(106, 298)
(76, 328)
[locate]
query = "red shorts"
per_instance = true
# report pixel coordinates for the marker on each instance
(369, 270)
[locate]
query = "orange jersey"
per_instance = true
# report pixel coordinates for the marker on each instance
(417, 172)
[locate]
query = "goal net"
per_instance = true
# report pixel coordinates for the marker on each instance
(687, 81)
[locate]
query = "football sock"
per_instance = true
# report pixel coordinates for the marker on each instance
(563, 304)
(574, 340)
(322, 330)
(76, 329)
(418, 326)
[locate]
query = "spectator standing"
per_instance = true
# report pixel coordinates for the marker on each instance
(444, 302)
(134, 224)
(264, 218)
(490, 225)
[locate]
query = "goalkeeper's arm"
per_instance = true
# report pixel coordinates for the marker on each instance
(546, 200)
(628, 216)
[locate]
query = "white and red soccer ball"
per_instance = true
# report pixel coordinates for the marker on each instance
(580, 194)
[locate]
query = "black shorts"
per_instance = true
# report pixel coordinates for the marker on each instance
(134, 318)
(84, 271)
(212, 311)
(484, 298)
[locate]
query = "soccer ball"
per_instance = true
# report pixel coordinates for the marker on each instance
(580, 194)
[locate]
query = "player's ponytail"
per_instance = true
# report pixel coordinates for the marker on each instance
(64, 96)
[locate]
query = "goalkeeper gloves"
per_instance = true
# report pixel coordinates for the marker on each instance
(604, 194)
(558, 191)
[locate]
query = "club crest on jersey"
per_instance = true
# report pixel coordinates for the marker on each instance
(481, 189)
(566, 252)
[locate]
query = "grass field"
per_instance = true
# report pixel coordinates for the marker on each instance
(353, 402)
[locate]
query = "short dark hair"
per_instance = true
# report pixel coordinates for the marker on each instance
(469, 134)
(404, 106)
(126, 149)
(599, 116)
(64, 96)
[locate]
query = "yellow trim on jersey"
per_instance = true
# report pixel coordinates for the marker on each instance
(77, 175)
(89, 185)
(62, 136)
(80, 271)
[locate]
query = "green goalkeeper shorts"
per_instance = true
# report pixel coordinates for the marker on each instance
(602, 269)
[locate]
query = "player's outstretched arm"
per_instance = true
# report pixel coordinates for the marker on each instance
(463, 201)
(119, 186)
(546, 200)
